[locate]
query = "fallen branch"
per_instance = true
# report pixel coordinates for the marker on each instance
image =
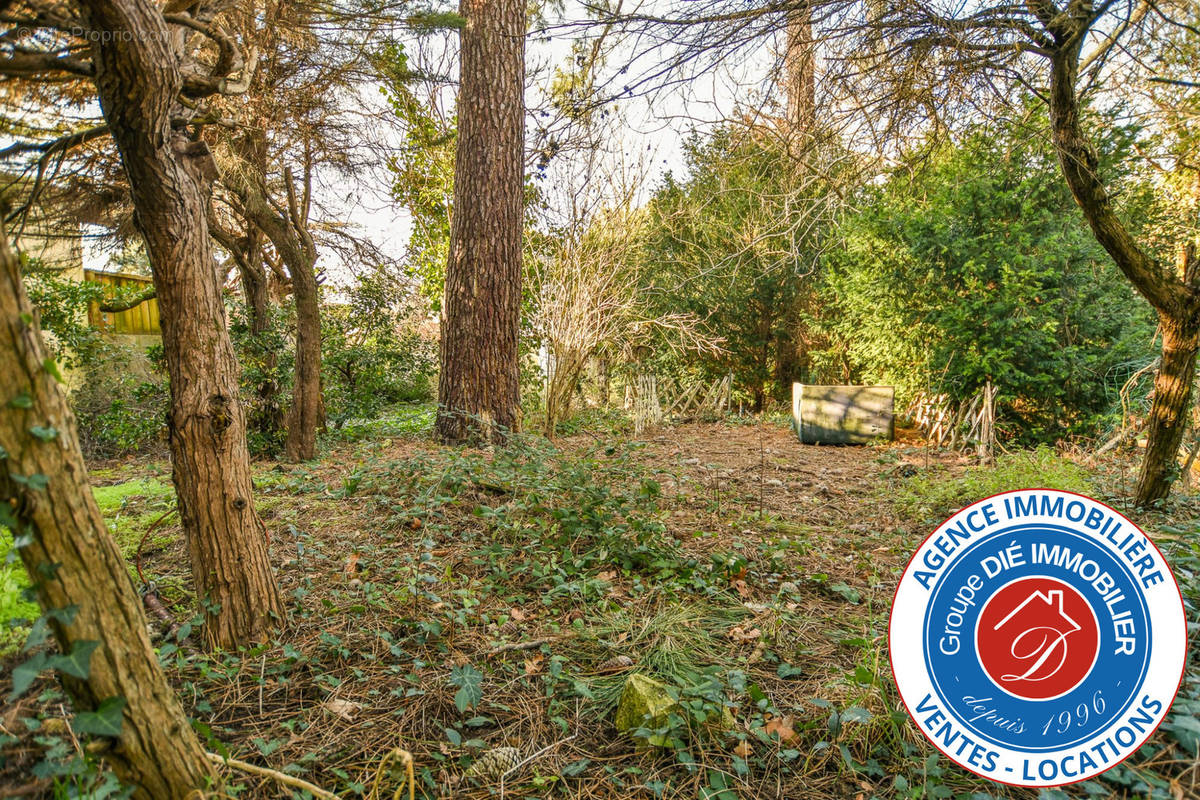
(276, 775)
(1120, 439)
(531, 644)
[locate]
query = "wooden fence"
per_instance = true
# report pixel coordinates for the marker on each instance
(645, 396)
(142, 319)
(703, 399)
(959, 426)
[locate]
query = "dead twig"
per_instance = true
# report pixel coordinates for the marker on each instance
(267, 772)
(137, 559)
(513, 646)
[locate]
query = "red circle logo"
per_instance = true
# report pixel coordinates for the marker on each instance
(1037, 638)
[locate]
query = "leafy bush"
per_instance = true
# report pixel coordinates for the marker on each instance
(979, 267)
(121, 402)
(62, 306)
(373, 353)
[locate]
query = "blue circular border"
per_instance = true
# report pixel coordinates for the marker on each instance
(1025, 528)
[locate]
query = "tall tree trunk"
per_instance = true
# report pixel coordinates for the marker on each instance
(292, 242)
(305, 416)
(138, 80)
(1174, 295)
(267, 418)
(1168, 412)
(73, 563)
(800, 71)
(479, 386)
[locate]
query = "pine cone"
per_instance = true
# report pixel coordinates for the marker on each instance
(495, 763)
(616, 664)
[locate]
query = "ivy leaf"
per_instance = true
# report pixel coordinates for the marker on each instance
(37, 634)
(470, 687)
(104, 721)
(22, 400)
(846, 592)
(51, 366)
(786, 670)
(46, 433)
(78, 662)
(856, 714)
(24, 674)
(41, 627)
(36, 481)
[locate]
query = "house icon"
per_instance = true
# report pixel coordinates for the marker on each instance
(1038, 626)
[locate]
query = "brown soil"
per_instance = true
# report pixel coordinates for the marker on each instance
(814, 546)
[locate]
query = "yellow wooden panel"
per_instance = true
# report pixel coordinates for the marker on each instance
(142, 319)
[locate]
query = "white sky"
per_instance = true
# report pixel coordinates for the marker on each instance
(650, 141)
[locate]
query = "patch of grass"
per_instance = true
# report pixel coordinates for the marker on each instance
(933, 494)
(409, 421)
(130, 508)
(15, 611)
(112, 498)
(674, 644)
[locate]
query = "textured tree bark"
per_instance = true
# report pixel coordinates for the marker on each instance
(138, 80)
(1168, 411)
(306, 415)
(73, 562)
(1176, 297)
(800, 71)
(479, 388)
(291, 240)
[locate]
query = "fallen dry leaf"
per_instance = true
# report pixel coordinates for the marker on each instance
(346, 709)
(742, 588)
(533, 664)
(740, 634)
(781, 727)
(517, 614)
(744, 750)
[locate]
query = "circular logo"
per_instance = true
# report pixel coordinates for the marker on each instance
(1037, 637)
